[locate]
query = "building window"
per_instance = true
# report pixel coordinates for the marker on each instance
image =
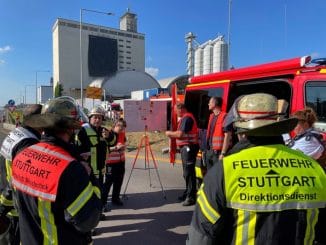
(128, 47)
(104, 31)
(73, 25)
(93, 29)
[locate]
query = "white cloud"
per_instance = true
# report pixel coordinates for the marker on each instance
(152, 71)
(2, 62)
(5, 49)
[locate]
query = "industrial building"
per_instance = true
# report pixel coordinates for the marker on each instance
(209, 57)
(85, 52)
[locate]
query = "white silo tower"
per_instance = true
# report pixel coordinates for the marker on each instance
(207, 57)
(198, 64)
(220, 55)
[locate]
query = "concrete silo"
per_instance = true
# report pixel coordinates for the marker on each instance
(198, 64)
(207, 57)
(220, 55)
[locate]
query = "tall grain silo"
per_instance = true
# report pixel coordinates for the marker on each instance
(198, 63)
(220, 55)
(207, 57)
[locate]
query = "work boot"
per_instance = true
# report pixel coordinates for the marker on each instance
(103, 217)
(117, 202)
(182, 197)
(106, 208)
(189, 201)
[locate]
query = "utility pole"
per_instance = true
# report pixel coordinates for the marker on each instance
(229, 34)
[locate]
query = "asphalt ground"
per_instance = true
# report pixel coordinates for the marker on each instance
(151, 213)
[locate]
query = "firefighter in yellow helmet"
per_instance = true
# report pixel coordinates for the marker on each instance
(264, 192)
(57, 196)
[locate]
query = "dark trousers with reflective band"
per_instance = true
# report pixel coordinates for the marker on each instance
(114, 176)
(212, 158)
(188, 158)
(100, 179)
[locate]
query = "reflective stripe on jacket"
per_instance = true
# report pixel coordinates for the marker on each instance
(37, 170)
(218, 134)
(117, 156)
(190, 137)
(14, 138)
(92, 135)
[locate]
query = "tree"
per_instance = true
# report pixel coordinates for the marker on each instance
(58, 89)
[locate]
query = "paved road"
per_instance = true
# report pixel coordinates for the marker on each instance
(146, 217)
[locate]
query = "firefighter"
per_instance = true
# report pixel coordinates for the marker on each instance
(92, 144)
(115, 165)
(218, 138)
(187, 141)
(17, 140)
(307, 139)
(57, 196)
(265, 192)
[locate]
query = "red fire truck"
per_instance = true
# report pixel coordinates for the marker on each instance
(300, 81)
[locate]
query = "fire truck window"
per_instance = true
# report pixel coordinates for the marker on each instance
(197, 103)
(316, 98)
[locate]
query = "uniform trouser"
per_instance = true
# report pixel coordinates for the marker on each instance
(212, 157)
(11, 237)
(200, 168)
(188, 158)
(114, 176)
(100, 179)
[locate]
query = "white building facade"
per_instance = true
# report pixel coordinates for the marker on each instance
(104, 51)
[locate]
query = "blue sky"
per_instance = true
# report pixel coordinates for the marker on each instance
(261, 31)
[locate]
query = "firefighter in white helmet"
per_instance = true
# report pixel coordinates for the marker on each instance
(57, 196)
(93, 142)
(264, 192)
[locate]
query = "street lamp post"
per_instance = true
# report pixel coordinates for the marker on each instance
(36, 83)
(80, 48)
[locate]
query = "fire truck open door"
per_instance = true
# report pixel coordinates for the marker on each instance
(174, 123)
